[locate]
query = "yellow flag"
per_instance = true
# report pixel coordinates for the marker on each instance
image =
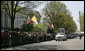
(52, 26)
(34, 19)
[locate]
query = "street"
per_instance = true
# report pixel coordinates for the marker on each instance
(70, 44)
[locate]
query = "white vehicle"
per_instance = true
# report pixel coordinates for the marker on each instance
(60, 35)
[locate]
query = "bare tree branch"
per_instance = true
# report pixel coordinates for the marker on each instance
(11, 9)
(20, 9)
(6, 10)
(16, 6)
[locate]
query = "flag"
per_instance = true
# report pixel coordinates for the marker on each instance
(51, 26)
(28, 20)
(34, 19)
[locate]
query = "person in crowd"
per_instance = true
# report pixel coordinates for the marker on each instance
(37, 37)
(80, 36)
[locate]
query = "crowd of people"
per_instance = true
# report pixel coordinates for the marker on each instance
(13, 38)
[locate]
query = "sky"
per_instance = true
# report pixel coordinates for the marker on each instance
(73, 6)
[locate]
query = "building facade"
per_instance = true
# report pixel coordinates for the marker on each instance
(6, 22)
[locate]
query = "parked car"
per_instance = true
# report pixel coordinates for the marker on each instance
(60, 36)
(69, 36)
(74, 35)
(80, 34)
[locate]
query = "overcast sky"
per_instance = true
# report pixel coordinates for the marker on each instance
(73, 6)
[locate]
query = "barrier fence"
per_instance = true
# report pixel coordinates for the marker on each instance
(10, 39)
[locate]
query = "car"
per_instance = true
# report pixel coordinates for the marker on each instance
(80, 34)
(60, 36)
(74, 35)
(70, 36)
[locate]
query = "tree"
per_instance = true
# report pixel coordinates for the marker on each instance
(56, 13)
(50, 30)
(37, 28)
(32, 13)
(81, 18)
(27, 27)
(13, 7)
(38, 16)
(40, 27)
(43, 27)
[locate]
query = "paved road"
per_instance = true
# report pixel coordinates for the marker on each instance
(70, 44)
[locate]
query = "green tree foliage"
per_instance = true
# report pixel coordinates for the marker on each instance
(81, 17)
(38, 16)
(40, 27)
(43, 27)
(57, 14)
(27, 27)
(37, 28)
(50, 30)
(32, 13)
